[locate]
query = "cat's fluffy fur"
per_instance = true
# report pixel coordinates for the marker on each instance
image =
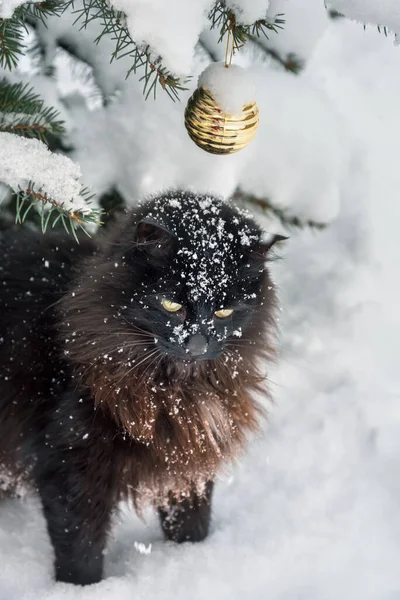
(100, 396)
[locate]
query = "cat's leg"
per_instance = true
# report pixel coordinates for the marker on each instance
(188, 520)
(74, 477)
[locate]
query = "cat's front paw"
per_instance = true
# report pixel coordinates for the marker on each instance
(185, 527)
(82, 574)
(188, 520)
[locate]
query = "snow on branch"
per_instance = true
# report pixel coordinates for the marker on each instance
(225, 19)
(249, 11)
(288, 220)
(23, 112)
(158, 24)
(144, 55)
(7, 7)
(144, 32)
(384, 13)
(13, 18)
(147, 32)
(57, 186)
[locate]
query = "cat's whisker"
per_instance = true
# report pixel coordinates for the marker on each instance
(120, 348)
(127, 332)
(115, 385)
(133, 325)
(136, 365)
(158, 358)
(99, 358)
(146, 358)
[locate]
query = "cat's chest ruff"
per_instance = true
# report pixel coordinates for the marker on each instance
(176, 434)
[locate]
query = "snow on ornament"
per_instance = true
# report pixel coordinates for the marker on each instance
(221, 116)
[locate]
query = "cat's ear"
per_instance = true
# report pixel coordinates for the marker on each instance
(154, 237)
(262, 249)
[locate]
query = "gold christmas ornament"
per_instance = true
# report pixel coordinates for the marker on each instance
(215, 131)
(229, 124)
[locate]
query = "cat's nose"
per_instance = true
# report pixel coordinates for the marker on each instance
(197, 345)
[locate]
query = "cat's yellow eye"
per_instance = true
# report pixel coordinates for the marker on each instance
(171, 306)
(223, 313)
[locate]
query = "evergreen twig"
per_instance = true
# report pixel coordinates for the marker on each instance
(113, 24)
(225, 19)
(23, 112)
(11, 42)
(335, 14)
(291, 62)
(18, 97)
(12, 30)
(51, 211)
(288, 220)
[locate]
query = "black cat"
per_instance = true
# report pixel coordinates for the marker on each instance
(128, 365)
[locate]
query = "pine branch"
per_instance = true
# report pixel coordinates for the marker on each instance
(113, 205)
(382, 28)
(11, 42)
(18, 98)
(39, 128)
(58, 192)
(207, 50)
(23, 112)
(113, 24)
(51, 212)
(40, 11)
(288, 220)
(291, 62)
(335, 14)
(12, 30)
(226, 20)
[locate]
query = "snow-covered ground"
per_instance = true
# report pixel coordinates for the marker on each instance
(313, 510)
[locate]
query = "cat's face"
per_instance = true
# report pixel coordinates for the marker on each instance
(187, 321)
(198, 278)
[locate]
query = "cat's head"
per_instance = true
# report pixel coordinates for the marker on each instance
(195, 276)
(182, 283)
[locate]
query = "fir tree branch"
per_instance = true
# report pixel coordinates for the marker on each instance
(11, 42)
(335, 14)
(18, 97)
(39, 128)
(40, 11)
(112, 205)
(288, 220)
(23, 112)
(113, 24)
(383, 28)
(12, 30)
(58, 193)
(226, 20)
(51, 212)
(207, 50)
(291, 63)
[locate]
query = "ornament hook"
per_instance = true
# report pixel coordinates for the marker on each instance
(230, 48)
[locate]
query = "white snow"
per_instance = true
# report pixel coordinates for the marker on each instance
(160, 24)
(7, 7)
(305, 23)
(231, 87)
(249, 11)
(26, 160)
(378, 12)
(300, 155)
